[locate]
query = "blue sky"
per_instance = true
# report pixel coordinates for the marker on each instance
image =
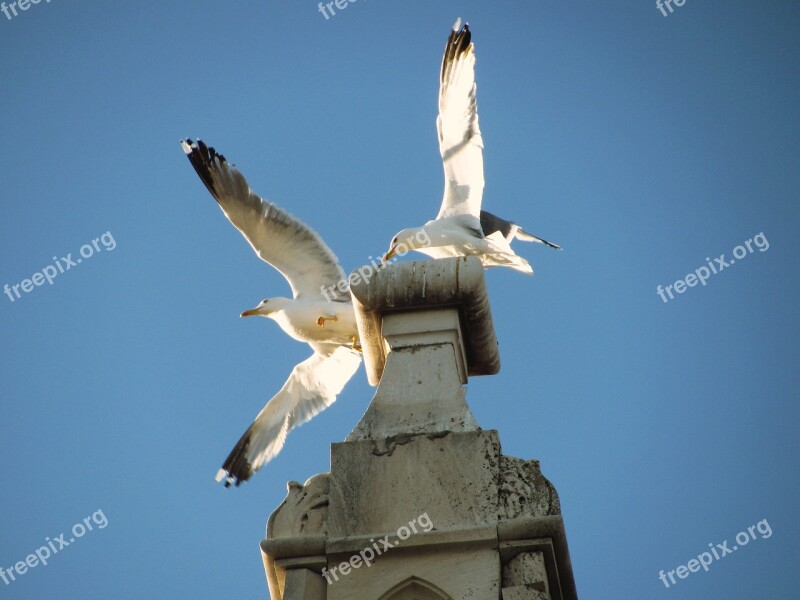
(641, 143)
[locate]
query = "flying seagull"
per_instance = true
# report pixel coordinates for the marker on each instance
(461, 227)
(326, 324)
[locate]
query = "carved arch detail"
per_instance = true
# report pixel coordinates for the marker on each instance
(415, 588)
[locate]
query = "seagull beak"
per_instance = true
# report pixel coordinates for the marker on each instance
(249, 313)
(388, 255)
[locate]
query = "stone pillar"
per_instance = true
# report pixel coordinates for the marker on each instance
(420, 503)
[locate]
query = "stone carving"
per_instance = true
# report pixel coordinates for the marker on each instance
(415, 588)
(304, 511)
(524, 491)
(523, 593)
(525, 578)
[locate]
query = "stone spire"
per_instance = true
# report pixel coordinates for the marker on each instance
(420, 503)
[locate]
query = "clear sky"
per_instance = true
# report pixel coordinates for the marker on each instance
(642, 143)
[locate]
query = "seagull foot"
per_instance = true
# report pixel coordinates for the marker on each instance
(356, 344)
(321, 320)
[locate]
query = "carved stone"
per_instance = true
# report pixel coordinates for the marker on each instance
(415, 588)
(525, 578)
(492, 527)
(304, 511)
(379, 485)
(298, 526)
(524, 491)
(522, 592)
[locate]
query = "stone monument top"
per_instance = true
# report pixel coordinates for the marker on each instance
(420, 503)
(456, 284)
(425, 327)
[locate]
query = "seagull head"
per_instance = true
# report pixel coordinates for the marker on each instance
(265, 308)
(412, 238)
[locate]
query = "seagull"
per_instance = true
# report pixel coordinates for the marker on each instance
(320, 313)
(461, 227)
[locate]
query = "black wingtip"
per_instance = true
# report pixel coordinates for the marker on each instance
(463, 35)
(236, 467)
(203, 159)
(457, 44)
(458, 27)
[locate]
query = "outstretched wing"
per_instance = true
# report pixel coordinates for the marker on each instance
(460, 141)
(310, 389)
(279, 238)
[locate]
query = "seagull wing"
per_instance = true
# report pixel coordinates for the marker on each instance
(278, 237)
(460, 141)
(507, 230)
(310, 389)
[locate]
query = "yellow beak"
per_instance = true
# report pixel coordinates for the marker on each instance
(388, 255)
(249, 313)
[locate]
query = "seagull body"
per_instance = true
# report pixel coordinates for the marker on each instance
(461, 227)
(302, 319)
(326, 323)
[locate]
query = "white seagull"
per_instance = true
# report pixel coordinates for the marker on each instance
(461, 227)
(327, 323)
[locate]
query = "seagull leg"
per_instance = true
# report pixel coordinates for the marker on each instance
(356, 344)
(321, 320)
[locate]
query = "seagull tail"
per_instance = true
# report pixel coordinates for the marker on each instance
(523, 235)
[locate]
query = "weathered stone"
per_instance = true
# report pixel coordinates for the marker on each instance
(522, 592)
(415, 588)
(304, 584)
(377, 486)
(452, 282)
(304, 511)
(524, 491)
(526, 569)
(420, 504)
(431, 400)
(456, 575)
